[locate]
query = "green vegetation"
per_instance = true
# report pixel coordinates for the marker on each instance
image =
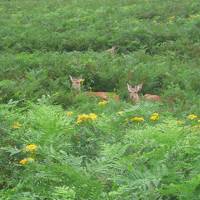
(56, 144)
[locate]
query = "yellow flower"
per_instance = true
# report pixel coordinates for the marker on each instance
(31, 147)
(102, 103)
(26, 161)
(137, 119)
(16, 125)
(199, 120)
(84, 117)
(154, 117)
(69, 113)
(23, 161)
(192, 117)
(156, 114)
(92, 116)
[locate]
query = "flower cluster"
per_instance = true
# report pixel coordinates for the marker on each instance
(192, 116)
(31, 149)
(86, 117)
(154, 117)
(26, 161)
(137, 119)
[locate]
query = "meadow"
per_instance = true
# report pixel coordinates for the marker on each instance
(58, 144)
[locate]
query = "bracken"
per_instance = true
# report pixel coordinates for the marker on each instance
(69, 113)
(16, 125)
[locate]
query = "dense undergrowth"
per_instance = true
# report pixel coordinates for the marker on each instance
(58, 145)
(119, 152)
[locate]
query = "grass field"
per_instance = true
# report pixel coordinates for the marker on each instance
(56, 144)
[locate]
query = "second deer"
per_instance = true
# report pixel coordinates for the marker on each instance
(134, 96)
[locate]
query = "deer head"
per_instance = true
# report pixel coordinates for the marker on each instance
(133, 92)
(76, 83)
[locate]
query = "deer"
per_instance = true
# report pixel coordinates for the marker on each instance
(76, 85)
(134, 96)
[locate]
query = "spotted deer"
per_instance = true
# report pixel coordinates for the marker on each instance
(134, 96)
(76, 85)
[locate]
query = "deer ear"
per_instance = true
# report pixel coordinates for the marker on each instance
(129, 87)
(70, 77)
(141, 86)
(138, 87)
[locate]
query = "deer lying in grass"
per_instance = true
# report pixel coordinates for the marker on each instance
(76, 85)
(134, 96)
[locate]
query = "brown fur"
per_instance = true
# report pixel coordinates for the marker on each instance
(104, 95)
(152, 97)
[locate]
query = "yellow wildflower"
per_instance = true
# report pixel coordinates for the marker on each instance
(137, 119)
(84, 117)
(23, 161)
(92, 116)
(154, 117)
(16, 125)
(26, 161)
(102, 103)
(69, 113)
(192, 117)
(31, 147)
